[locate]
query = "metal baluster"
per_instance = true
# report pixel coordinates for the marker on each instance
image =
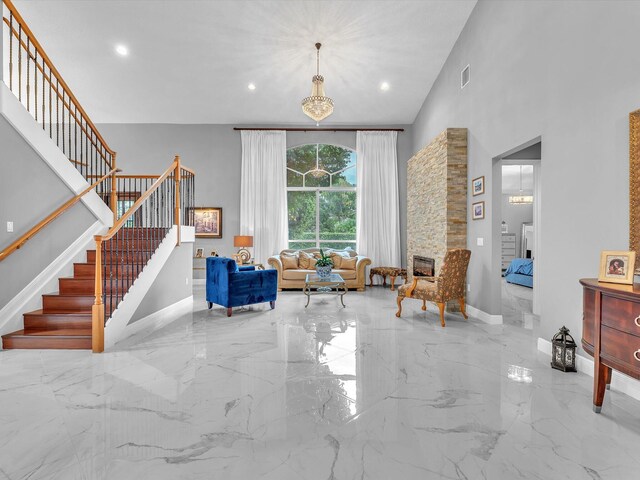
(11, 51)
(28, 74)
(20, 62)
(57, 112)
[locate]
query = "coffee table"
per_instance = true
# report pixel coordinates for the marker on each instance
(334, 284)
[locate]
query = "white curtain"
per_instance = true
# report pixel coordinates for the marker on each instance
(263, 196)
(378, 232)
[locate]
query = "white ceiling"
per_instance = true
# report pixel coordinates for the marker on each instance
(513, 183)
(191, 61)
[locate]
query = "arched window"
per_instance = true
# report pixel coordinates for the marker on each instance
(321, 196)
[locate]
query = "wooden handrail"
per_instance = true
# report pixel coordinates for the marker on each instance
(123, 220)
(64, 103)
(52, 68)
(50, 218)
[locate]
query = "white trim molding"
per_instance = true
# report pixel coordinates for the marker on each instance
(29, 298)
(619, 381)
(484, 316)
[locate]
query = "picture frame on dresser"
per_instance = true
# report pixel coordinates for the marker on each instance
(617, 266)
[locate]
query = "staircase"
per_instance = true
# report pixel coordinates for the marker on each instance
(145, 207)
(64, 322)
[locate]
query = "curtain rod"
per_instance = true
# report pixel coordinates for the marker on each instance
(328, 129)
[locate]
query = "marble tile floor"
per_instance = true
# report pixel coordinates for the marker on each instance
(517, 305)
(323, 393)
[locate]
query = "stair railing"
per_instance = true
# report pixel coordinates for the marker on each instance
(123, 252)
(37, 84)
(52, 216)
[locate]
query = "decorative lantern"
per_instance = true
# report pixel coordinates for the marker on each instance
(563, 351)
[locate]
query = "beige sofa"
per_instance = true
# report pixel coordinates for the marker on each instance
(295, 277)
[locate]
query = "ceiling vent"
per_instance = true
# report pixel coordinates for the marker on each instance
(465, 76)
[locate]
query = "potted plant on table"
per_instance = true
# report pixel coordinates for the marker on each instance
(324, 264)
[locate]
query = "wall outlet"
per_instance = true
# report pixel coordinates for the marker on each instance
(10, 227)
(468, 287)
(480, 241)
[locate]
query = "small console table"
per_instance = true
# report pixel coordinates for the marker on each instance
(610, 332)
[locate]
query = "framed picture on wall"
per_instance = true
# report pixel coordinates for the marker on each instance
(617, 266)
(199, 252)
(477, 211)
(477, 186)
(208, 222)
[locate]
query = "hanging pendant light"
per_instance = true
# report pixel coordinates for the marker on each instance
(317, 106)
(521, 199)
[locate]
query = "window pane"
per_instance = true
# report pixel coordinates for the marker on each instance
(302, 215)
(317, 179)
(333, 158)
(338, 215)
(301, 245)
(338, 245)
(346, 178)
(293, 179)
(302, 159)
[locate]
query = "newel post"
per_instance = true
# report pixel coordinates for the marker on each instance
(176, 214)
(114, 189)
(97, 311)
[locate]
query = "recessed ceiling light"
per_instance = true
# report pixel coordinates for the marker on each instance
(384, 86)
(251, 86)
(122, 50)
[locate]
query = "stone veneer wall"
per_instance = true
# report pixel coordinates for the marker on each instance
(437, 197)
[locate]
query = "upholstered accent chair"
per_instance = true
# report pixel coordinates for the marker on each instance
(449, 285)
(232, 286)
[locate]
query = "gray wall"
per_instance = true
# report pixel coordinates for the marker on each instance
(215, 152)
(29, 191)
(515, 216)
(564, 71)
(172, 284)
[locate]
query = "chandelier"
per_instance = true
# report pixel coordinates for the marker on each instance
(317, 106)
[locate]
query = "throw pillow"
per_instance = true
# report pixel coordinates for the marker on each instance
(348, 263)
(337, 258)
(289, 261)
(307, 261)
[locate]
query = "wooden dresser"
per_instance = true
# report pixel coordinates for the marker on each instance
(508, 249)
(610, 332)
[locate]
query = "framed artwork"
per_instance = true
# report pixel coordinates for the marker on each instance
(617, 266)
(199, 252)
(477, 186)
(214, 253)
(208, 222)
(477, 211)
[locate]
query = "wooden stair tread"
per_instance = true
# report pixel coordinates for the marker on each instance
(62, 332)
(74, 314)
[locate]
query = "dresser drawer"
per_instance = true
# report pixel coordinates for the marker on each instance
(623, 348)
(621, 314)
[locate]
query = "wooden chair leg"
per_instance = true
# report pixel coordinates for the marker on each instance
(424, 305)
(463, 308)
(371, 279)
(399, 302)
(384, 280)
(441, 307)
(393, 283)
(229, 311)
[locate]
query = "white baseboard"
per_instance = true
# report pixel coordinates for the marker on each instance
(18, 116)
(29, 298)
(114, 331)
(151, 323)
(619, 381)
(484, 316)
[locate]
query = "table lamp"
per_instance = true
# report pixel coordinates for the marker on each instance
(243, 241)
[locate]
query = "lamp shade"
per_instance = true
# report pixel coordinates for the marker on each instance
(243, 241)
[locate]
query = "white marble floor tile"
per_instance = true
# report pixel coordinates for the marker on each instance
(319, 393)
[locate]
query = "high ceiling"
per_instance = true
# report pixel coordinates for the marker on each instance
(191, 61)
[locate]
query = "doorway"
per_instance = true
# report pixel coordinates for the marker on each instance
(517, 236)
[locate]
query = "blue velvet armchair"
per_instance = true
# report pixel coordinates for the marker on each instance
(230, 286)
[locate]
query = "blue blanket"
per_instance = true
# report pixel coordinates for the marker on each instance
(522, 266)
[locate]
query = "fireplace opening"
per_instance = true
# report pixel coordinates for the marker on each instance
(423, 266)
